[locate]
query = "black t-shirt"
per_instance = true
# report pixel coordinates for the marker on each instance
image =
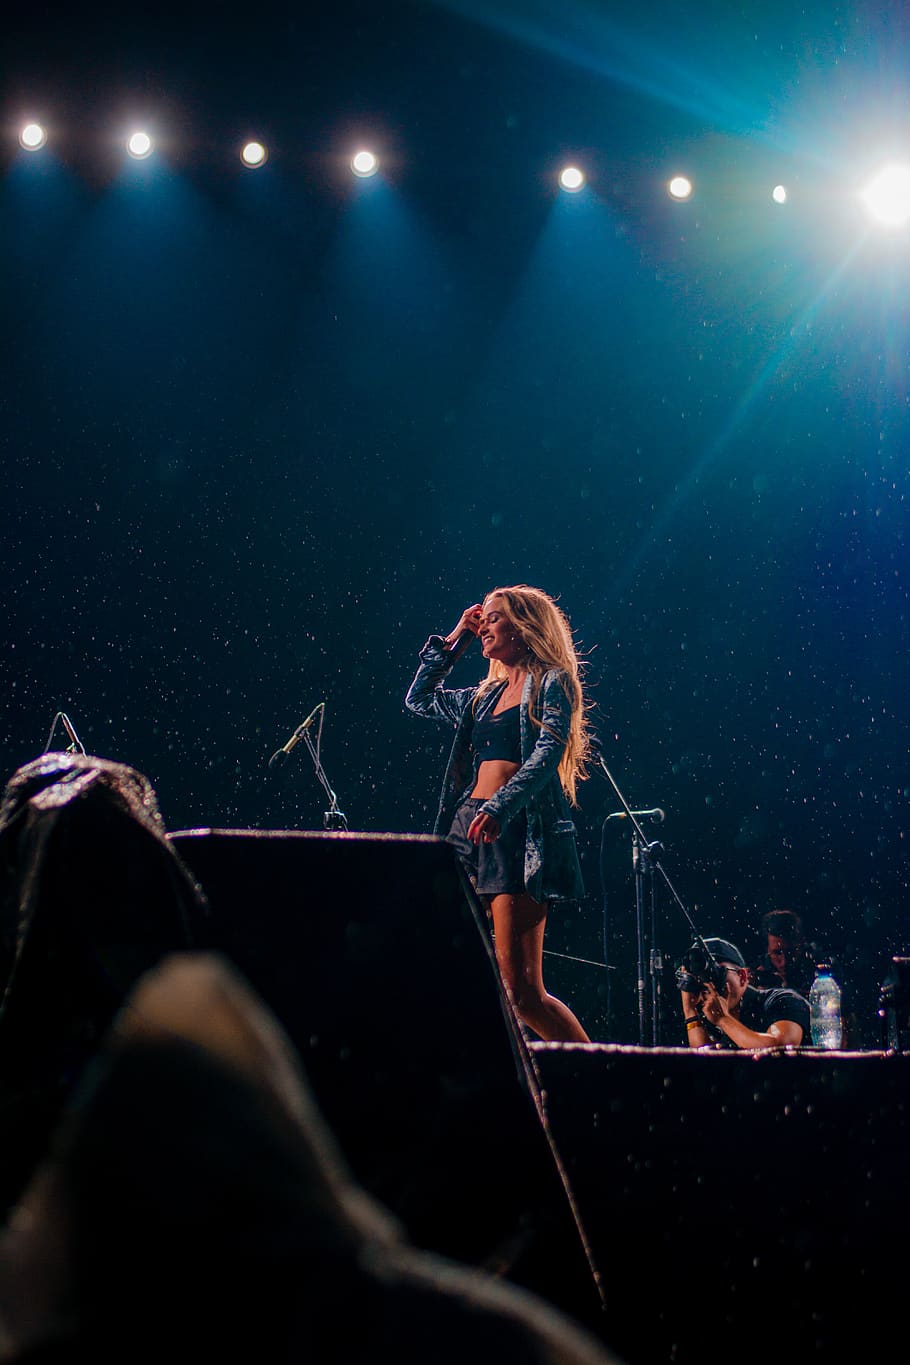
(758, 1010)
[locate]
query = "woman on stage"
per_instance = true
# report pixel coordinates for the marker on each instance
(519, 752)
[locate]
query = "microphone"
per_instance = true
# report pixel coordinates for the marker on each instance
(280, 755)
(76, 745)
(463, 641)
(657, 815)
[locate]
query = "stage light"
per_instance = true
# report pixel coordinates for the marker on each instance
(364, 163)
(139, 145)
(571, 179)
(254, 154)
(32, 137)
(679, 187)
(779, 194)
(887, 197)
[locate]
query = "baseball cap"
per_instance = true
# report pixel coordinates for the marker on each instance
(722, 951)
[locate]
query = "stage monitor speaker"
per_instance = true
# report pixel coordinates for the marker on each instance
(374, 955)
(755, 1202)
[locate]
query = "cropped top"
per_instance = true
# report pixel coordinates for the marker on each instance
(498, 737)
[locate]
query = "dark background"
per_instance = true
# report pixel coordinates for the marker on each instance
(263, 431)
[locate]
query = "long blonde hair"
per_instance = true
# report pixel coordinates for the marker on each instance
(546, 634)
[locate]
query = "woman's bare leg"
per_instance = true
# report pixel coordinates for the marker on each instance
(518, 929)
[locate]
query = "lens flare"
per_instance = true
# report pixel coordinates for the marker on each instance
(887, 196)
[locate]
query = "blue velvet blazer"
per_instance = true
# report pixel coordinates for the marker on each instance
(551, 868)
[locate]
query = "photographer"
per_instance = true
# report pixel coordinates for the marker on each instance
(722, 1010)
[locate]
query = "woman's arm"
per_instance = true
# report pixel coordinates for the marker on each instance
(555, 711)
(426, 695)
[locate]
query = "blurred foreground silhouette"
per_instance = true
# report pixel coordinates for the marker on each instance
(195, 1202)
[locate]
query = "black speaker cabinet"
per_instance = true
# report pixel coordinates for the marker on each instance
(375, 957)
(894, 1006)
(754, 1203)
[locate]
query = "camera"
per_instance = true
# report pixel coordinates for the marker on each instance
(696, 970)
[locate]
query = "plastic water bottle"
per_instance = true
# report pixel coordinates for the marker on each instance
(824, 1010)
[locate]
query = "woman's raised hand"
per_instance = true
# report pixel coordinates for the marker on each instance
(470, 620)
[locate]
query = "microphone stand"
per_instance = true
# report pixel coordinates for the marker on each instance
(75, 745)
(333, 818)
(645, 863)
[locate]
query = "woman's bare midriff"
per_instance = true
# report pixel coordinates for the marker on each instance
(492, 774)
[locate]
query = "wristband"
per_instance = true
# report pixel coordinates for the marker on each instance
(694, 1023)
(692, 1019)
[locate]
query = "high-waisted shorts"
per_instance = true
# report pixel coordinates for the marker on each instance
(496, 869)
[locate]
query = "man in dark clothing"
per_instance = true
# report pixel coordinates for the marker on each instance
(789, 959)
(725, 1011)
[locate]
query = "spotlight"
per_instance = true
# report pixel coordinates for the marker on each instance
(679, 187)
(32, 137)
(887, 197)
(571, 179)
(779, 194)
(364, 163)
(139, 145)
(254, 154)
